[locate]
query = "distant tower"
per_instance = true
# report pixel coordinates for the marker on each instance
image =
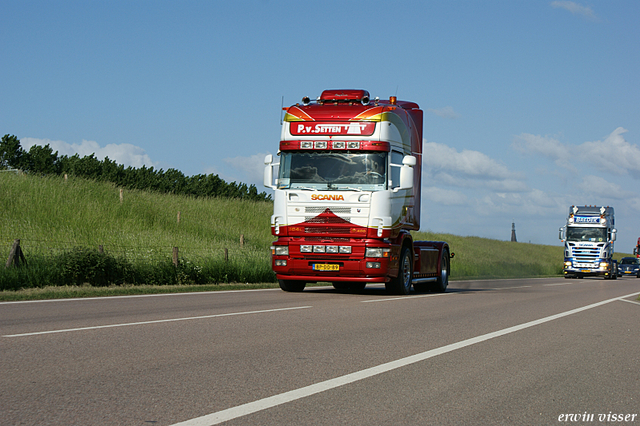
(513, 232)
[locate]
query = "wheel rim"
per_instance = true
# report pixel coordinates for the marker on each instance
(444, 270)
(406, 272)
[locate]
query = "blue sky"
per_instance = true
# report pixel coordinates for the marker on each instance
(530, 106)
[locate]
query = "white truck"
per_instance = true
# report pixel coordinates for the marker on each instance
(588, 240)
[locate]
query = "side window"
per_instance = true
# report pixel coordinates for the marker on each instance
(395, 164)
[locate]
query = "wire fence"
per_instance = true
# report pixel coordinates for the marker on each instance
(45, 262)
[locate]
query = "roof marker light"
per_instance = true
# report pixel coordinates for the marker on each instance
(393, 100)
(306, 145)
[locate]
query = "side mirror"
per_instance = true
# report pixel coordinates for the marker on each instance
(268, 172)
(613, 234)
(406, 173)
(635, 250)
(561, 233)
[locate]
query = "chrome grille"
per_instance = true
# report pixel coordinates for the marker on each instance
(330, 219)
(334, 210)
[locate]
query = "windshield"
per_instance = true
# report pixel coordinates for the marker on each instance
(587, 234)
(332, 170)
(629, 261)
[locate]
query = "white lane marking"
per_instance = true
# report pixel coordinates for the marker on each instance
(509, 288)
(131, 296)
(406, 297)
(155, 321)
(551, 285)
(273, 401)
(630, 301)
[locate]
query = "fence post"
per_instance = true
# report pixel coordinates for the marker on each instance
(100, 249)
(226, 255)
(241, 240)
(175, 256)
(16, 255)
(121, 195)
(178, 218)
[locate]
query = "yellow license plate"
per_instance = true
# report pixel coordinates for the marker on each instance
(325, 267)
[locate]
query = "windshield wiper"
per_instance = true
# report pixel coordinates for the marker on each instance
(349, 188)
(331, 185)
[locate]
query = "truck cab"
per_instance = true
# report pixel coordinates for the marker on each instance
(347, 194)
(588, 238)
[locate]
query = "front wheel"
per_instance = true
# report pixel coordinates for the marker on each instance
(402, 283)
(291, 285)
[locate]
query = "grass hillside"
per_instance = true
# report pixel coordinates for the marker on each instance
(61, 223)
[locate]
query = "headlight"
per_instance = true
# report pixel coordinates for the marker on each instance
(604, 265)
(567, 263)
(332, 249)
(377, 252)
(280, 250)
(318, 249)
(306, 249)
(345, 249)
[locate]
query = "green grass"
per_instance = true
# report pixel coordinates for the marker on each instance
(61, 223)
(477, 257)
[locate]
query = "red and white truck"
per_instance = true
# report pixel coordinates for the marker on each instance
(347, 194)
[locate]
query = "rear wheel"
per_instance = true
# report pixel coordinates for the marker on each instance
(440, 286)
(402, 283)
(291, 285)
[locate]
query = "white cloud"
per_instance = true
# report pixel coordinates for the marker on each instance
(250, 169)
(613, 155)
(125, 154)
(599, 187)
(543, 145)
(575, 8)
(446, 112)
(464, 168)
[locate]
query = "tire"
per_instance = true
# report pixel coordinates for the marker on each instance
(402, 283)
(347, 287)
(440, 286)
(291, 285)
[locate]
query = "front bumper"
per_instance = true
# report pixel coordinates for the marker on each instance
(584, 270)
(339, 270)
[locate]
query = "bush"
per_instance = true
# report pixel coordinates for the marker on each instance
(85, 266)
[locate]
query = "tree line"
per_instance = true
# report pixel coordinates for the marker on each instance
(43, 161)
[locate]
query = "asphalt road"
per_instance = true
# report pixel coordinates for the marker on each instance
(505, 352)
